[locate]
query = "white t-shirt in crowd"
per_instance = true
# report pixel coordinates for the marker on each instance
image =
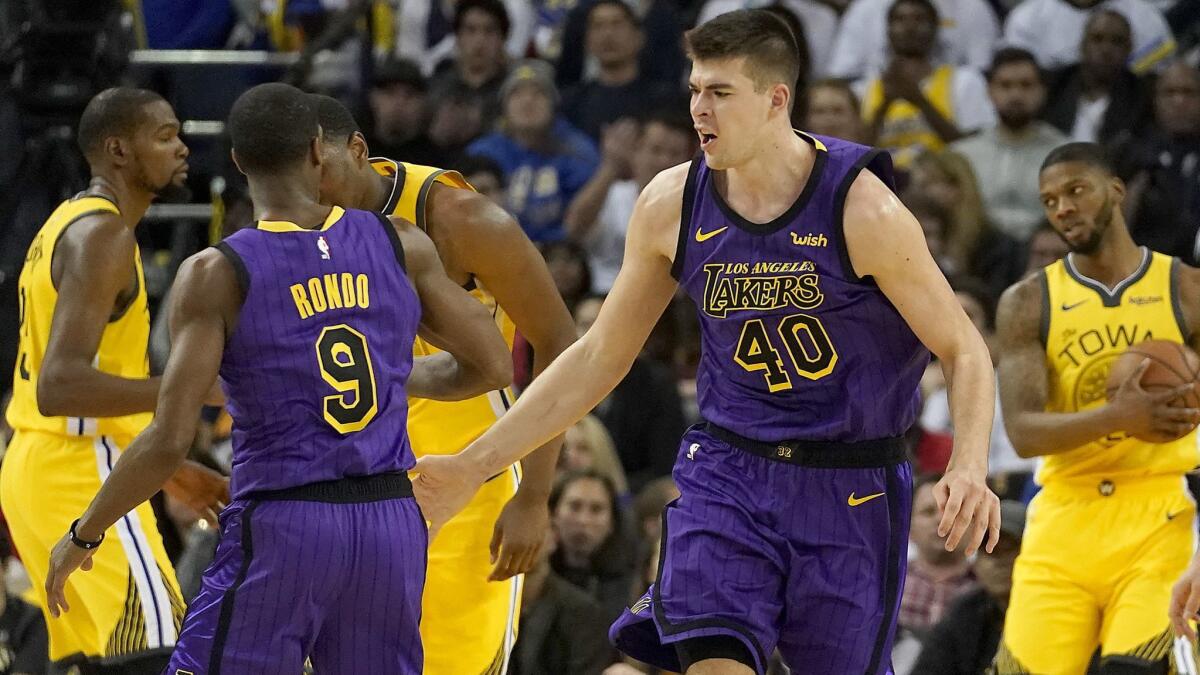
(967, 37)
(1088, 118)
(820, 24)
(1002, 458)
(1053, 29)
(413, 17)
(605, 243)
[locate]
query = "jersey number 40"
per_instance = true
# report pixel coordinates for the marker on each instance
(804, 339)
(346, 366)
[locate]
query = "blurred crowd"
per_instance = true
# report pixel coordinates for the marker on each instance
(562, 111)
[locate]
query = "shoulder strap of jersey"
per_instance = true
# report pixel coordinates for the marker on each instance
(413, 182)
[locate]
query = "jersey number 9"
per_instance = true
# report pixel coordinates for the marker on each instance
(346, 365)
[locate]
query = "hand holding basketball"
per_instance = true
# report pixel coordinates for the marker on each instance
(1153, 387)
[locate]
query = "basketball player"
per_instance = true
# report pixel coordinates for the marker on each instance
(309, 319)
(1112, 527)
(82, 390)
(468, 622)
(816, 291)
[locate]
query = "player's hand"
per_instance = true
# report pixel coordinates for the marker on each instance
(200, 488)
(443, 487)
(1146, 413)
(519, 536)
(617, 143)
(64, 559)
(970, 510)
(1185, 600)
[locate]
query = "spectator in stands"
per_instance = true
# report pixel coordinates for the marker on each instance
(588, 446)
(937, 223)
(630, 157)
(563, 629)
(643, 413)
(916, 104)
(484, 175)
(1100, 98)
(399, 118)
(545, 160)
(649, 504)
(965, 640)
(426, 30)
(833, 110)
(594, 551)
(816, 20)
(1053, 30)
(971, 243)
(968, 35)
(569, 267)
(1007, 157)
(662, 58)
(1044, 247)
(1164, 185)
(24, 645)
(479, 64)
(455, 121)
(935, 576)
(614, 39)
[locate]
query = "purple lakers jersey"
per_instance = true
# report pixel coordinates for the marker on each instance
(795, 345)
(314, 372)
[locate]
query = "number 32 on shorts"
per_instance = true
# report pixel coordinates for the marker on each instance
(804, 339)
(346, 366)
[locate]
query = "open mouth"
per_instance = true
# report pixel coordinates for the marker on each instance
(706, 139)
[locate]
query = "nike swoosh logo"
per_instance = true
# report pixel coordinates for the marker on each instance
(702, 237)
(1067, 308)
(855, 501)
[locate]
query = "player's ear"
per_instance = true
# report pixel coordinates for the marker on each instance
(118, 150)
(780, 96)
(315, 148)
(1118, 188)
(359, 149)
(233, 156)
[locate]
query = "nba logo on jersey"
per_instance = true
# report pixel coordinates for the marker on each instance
(323, 246)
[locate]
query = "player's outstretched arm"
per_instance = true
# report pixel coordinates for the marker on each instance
(484, 240)
(885, 242)
(93, 263)
(585, 372)
(1024, 388)
(204, 310)
(475, 357)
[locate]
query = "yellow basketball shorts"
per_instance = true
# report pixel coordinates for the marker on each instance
(469, 624)
(129, 602)
(1096, 568)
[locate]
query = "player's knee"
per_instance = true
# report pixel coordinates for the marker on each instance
(715, 655)
(1122, 664)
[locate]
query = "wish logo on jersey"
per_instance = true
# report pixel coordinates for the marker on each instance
(762, 286)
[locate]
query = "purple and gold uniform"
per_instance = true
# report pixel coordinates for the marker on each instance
(792, 526)
(322, 551)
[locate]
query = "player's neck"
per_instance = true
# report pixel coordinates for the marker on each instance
(1116, 259)
(779, 168)
(132, 201)
(286, 200)
(376, 190)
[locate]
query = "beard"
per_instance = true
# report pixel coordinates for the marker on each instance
(1015, 119)
(174, 194)
(1103, 220)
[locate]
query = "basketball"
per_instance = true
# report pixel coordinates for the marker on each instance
(1171, 365)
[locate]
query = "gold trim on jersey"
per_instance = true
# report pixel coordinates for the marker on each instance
(335, 214)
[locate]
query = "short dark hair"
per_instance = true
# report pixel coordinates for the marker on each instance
(337, 122)
(495, 8)
(619, 4)
(1092, 154)
(472, 164)
(113, 112)
(759, 36)
(927, 5)
(272, 126)
(1010, 55)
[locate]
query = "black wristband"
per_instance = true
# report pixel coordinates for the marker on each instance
(89, 545)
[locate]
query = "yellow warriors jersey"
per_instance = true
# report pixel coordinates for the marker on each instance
(442, 427)
(122, 350)
(904, 130)
(1085, 327)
